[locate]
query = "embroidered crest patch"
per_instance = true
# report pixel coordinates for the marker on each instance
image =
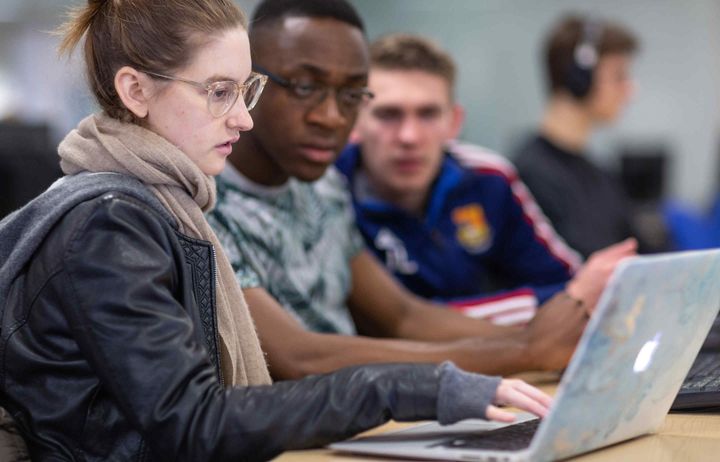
(473, 231)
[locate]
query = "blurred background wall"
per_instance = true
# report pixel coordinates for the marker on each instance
(497, 46)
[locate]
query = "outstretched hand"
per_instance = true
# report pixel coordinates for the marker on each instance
(555, 330)
(590, 280)
(516, 393)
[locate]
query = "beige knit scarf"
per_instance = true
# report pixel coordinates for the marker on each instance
(104, 144)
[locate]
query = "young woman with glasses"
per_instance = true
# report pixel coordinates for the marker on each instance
(124, 334)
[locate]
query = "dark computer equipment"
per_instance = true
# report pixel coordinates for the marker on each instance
(701, 389)
(643, 168)
(28, 163)
(642, 172)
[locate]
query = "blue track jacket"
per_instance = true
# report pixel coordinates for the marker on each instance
(483, 245)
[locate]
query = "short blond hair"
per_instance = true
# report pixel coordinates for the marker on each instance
(412, 53)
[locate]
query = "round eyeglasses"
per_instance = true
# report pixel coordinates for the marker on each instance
(222, 95)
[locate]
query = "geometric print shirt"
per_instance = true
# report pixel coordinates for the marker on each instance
(295, 240)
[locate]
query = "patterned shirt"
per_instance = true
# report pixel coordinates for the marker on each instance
(296, 241)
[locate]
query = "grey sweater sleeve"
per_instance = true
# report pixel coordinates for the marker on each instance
(463, 395)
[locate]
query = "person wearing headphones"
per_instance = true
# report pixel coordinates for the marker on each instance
(588, 71)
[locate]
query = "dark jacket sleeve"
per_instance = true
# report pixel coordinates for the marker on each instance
(121, 301)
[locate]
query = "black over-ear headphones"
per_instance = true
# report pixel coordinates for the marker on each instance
(579, 76)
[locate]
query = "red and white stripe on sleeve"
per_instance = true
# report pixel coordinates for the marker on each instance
(510, 308)
(485, 161)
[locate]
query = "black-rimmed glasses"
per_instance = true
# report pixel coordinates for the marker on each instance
(312, 92)
(222, 95)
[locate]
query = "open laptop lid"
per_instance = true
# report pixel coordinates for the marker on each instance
(627, 368)
(650, 323)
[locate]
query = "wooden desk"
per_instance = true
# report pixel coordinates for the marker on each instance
(683, 437)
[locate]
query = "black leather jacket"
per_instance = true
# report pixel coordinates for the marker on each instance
(109, 352)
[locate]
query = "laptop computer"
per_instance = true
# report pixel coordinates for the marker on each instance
(630, 362)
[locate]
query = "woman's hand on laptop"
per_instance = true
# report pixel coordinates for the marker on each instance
(516, 393)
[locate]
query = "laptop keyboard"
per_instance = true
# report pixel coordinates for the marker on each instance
(701, 388)
(704, 374)
(511, 438)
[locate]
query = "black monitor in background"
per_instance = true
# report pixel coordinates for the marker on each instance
(28, 163)
(643, 172)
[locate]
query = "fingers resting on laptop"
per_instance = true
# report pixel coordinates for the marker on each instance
(516, 393)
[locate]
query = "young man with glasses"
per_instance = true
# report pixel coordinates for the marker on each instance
(285, 219)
